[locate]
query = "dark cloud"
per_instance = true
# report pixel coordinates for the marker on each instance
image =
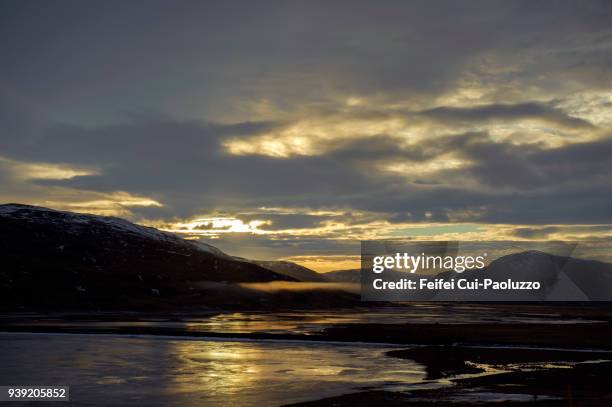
(285, 221)
(501, 112)
(529, 167)
(90, 60)
(535, 233)
(183, 166)
(146, 93)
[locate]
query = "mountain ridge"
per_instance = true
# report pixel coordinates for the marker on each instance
(52, 257)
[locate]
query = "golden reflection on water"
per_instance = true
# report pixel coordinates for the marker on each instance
(277, 286)
(181, 372)
(217, 369)
(309, 321)
(249, 373)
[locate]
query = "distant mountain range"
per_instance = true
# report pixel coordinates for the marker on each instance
(561, 278)
(344, 276)
(56, 259)
(62, 260)
(292, 270)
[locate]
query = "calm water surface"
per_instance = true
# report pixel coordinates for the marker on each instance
(126, 370)
(302, 322)
(115, 370)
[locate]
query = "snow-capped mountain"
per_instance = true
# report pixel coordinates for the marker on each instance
(75, 223)
(56, 258)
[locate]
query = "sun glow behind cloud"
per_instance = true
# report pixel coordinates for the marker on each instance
(355, 225)
(426, 168)
(116, 203)
(313, 136)
(43, 171)
(112, 204)
(339, 228)
(214, 226)
(315, 132)
(372, 133)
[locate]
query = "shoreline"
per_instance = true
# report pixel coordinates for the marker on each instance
(582, 382)
(595, 336)
(508, 364)
(469, 375)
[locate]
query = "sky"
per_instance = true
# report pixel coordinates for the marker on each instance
(292, 130)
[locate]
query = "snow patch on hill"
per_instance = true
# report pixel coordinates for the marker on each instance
(75, 222)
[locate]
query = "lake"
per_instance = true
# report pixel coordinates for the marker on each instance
(116, 370)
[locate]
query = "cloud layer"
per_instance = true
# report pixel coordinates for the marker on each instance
(306, 126)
